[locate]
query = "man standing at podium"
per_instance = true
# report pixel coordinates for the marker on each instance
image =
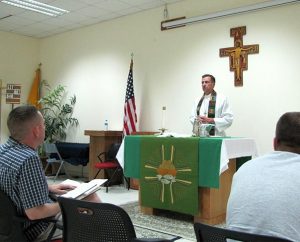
(212, 108)
(265, 195)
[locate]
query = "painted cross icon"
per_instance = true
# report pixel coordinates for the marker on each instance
(238, 55)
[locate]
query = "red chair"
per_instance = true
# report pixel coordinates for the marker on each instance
(107, 162)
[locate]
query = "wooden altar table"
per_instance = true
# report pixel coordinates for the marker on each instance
(216, 169)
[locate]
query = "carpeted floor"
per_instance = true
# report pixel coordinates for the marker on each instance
(160, 226)
(164, 224)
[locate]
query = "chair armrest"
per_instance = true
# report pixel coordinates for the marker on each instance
(23, 219)
(59, 224)
(53, 196)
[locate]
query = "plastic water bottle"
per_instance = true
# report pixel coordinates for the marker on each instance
(106, 125)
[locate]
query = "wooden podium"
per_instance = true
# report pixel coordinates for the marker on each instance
(100, 141)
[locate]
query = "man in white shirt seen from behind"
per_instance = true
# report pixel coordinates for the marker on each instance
(212, 108)
(265, 191)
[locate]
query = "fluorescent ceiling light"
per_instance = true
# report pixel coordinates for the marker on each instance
(37, 7)
(229, 12)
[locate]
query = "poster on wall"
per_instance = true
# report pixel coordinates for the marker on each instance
(13, 94)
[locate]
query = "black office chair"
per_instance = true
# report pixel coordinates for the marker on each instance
(208, 233)
(101, 222)
(11, 224)
(108, 161)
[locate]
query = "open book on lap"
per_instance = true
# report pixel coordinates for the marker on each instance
(82, 190)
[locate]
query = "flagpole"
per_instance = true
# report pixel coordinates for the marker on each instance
(131, 63)
(130, 118)
(39, 87)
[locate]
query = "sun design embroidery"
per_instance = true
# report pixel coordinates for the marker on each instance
(166, 174)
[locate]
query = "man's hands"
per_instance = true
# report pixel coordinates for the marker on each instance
(60, 188)
(205, 120)
(51, 209)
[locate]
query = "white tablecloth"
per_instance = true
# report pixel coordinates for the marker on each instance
(231, 148)
(234, 148)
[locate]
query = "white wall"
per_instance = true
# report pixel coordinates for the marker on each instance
(19, 57)
(93, 63)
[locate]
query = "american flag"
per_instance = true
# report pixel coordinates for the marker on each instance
(130, 118)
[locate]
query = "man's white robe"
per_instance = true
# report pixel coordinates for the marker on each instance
(223, 114)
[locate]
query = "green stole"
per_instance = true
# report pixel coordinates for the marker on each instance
(211, 108)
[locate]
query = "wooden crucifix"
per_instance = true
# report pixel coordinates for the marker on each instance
(238, 55)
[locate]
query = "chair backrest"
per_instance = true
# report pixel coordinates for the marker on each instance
(51, 149)
(88, 221)
(208, 233)
(112, 152)
(10, 228)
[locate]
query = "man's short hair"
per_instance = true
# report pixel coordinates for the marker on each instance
(212, 78)
(19, 119)
(288, 130)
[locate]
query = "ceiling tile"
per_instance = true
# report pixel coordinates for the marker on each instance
(84, 13)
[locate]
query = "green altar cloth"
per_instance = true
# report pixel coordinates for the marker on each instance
(209, 161)
(205, 152)
(208, 158)
(169, 174)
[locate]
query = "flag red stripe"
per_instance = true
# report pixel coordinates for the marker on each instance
(130, 116)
